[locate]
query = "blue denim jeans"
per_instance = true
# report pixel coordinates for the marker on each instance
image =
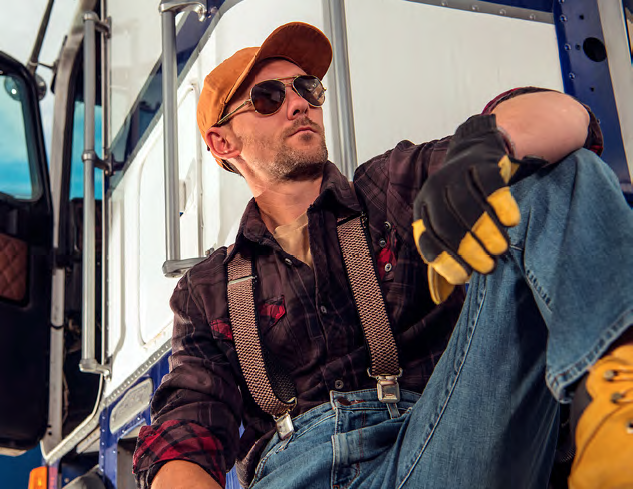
(488, 417)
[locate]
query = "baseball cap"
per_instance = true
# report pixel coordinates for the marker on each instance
(300, 43)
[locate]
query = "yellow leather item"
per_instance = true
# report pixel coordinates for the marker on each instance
(418, 229)
(505, 207)
(604, 436)
(439, 287)
(473, 254)
(507, 168)
(450, 269)
(488, 233)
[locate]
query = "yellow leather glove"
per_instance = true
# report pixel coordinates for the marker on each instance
(462, 210)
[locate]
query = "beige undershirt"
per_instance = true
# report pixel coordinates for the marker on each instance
(293, 238)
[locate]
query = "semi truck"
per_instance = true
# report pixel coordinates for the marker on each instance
(94, 236)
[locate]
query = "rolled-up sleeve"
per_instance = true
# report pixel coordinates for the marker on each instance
(196, 410)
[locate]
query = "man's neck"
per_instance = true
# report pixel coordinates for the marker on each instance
(284, 202)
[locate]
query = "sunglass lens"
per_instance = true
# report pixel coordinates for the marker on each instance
(268, 96)
(311, 89)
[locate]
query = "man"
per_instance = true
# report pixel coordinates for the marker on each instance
(485, 414)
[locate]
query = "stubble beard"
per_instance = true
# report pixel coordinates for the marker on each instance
(294, 164)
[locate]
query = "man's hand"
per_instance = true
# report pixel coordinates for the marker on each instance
(180, 474)
(462, 210)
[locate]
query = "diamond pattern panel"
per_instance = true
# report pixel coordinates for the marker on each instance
(13, 268)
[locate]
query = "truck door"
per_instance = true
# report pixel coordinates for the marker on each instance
(25, 262)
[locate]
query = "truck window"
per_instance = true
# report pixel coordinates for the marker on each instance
(76, 189)
(17, 176)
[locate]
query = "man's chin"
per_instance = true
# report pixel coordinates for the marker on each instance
(305, 171)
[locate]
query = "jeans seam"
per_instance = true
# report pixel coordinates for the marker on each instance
(311, 426)
(449, 395)
(538, 288)
(559, 381)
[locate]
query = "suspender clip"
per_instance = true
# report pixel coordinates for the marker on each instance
(388, 391)
(388, 388)
(285, 428)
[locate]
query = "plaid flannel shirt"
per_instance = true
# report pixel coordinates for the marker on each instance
(307, 317)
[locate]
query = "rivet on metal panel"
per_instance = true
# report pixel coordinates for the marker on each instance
(563, 18)
(502, 12)
(475, 8)
(572, 76)
(532, 17)
(567, 47)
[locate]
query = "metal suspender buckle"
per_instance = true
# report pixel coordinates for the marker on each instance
(388, 391)
(285, 428)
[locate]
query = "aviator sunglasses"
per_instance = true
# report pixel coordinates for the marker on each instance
(268, 96)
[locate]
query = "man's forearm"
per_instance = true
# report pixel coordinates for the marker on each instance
(549, 125)
(179, 474)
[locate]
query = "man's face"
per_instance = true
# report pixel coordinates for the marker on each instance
(287, 145)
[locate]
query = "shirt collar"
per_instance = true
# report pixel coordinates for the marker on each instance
(336, 194)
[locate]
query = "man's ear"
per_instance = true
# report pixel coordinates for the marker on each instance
(223, 143)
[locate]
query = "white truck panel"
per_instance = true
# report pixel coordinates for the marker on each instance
(418, 71)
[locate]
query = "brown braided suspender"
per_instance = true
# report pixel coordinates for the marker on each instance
(357, 258)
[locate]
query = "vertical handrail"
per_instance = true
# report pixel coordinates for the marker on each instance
(170, 137)
(168, 9)
(614, 29)
(89, 363)
(335, 9)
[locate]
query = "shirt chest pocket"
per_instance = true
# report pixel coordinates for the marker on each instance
(271, 311)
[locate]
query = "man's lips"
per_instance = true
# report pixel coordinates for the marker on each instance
(302, 129)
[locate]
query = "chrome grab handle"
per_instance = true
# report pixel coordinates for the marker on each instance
(168, 9)
(89, 363)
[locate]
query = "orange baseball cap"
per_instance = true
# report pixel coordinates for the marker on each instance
(300, 43)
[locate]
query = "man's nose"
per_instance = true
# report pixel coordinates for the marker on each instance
(297, 105)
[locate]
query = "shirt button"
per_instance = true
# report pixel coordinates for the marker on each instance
(339, 384)
(387, 225)
(323, 309)
(388, 267)
(288, 262)
(382, 243)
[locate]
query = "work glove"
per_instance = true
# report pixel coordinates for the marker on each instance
(461, 212)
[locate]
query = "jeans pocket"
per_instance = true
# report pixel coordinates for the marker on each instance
(274, 447)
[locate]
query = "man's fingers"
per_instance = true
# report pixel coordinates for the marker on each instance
(435, 254)
(505, 207)
(439, 287)
(472, 253)
(418, 229)
(451, 269)
(507, 168)
(490, 235)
